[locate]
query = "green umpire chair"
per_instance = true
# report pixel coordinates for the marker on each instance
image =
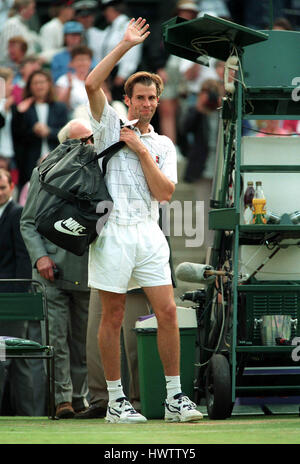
(29, 305)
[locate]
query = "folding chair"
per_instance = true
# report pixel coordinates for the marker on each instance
(28, 306)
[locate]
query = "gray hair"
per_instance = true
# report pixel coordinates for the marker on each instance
(64, 133)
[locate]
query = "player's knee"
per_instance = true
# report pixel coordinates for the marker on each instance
(114, 317)
(168, 315)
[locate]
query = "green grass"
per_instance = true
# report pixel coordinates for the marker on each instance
(236, 430)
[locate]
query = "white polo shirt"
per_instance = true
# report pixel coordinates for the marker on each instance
(125, 180)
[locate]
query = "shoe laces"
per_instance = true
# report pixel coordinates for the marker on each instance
(184, 401)
(124, 403)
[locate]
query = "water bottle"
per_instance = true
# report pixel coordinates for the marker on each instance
(248, 197)
(259, 203)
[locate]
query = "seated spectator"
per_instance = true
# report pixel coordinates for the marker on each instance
(5, 11)
(70, 87)
(29, 64)
(7, 151)
(19, 25)
(85, 11)
(36, 122)
(17, 49)
(73, 32)
(282, 24)
(52, 32)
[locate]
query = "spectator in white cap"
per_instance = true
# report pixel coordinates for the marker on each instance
(189, 8)
(52, 32)
(85, 11)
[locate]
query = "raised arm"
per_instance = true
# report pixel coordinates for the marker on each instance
(136, 33)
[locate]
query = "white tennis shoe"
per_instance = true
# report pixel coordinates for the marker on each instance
(181, 409)
(122, 412)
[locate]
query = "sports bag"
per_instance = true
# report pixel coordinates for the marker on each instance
(73, 202)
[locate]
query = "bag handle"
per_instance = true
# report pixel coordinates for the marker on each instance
(64, 194)
(107, 154)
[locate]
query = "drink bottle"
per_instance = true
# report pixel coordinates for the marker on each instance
(259, 202)
(248, 197)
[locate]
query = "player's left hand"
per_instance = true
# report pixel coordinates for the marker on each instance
(131, 139)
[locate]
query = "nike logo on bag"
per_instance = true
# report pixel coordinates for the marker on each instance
(70, 227)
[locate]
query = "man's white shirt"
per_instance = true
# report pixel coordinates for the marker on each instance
(125, 179)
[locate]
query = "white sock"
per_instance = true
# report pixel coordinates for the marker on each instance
(115, 390)
(173, 385)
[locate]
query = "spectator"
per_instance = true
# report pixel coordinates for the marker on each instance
(114, 13)
(67, 295)
(17, 49)
(4, 163)
(73, 36)
(18, 25)
(14, 264)
(214, 7)
(255, 14)
(173, 78)
(36, 122)
(282, 24)
(5, 7)
(52, 32)
(6, 140)
(85, 11)
(196, 125)
(28, 65)
(70, 87)
(202, 152)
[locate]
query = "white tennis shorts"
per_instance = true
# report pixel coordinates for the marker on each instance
(120, 252)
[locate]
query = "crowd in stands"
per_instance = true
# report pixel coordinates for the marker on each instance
(42, 76)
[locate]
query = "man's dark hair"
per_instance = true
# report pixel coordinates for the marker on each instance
(145, 78)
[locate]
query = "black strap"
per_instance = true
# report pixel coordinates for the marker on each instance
(106, 154)
(64, 194)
